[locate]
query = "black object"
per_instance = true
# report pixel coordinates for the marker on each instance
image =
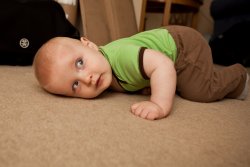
(26, 25)
(230, 39)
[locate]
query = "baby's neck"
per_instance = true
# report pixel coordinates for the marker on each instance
(115, 85)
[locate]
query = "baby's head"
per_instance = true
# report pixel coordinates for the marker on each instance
(72, 67)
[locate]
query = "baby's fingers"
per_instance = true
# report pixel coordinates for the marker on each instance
(144, 113)
(146, 110)
(136, 109)
(139, 110)
(134, 106)
(152, 115)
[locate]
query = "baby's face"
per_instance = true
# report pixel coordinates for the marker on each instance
(79, 71)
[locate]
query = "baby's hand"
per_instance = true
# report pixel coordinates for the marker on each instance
(147, 110)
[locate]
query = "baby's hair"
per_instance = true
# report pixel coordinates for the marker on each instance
(43, 61)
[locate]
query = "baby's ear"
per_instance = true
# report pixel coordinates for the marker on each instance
(85, 41)
(88, 43)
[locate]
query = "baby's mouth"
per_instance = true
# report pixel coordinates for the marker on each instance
(99, 81)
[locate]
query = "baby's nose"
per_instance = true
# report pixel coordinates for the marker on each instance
(86, 78)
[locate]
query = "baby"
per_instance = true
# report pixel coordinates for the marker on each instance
(161, 62)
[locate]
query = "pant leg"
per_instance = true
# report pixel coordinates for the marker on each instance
(197, 77)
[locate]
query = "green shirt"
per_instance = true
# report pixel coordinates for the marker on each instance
(126, 56)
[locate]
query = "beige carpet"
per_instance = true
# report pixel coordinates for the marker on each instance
(42, 130)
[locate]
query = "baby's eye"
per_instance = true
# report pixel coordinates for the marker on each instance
(79, 63)
(75, 85)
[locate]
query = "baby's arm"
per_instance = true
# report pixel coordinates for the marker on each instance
(160, 69)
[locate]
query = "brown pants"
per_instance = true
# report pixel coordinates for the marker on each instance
(197, 78)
